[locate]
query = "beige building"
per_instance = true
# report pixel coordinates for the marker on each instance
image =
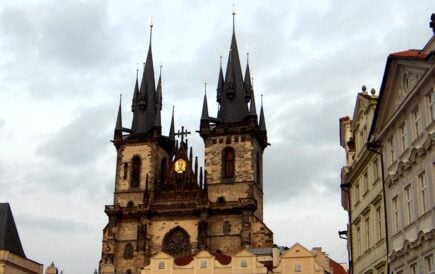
(12, 257)
(296, 259)
(362, 189)
(404, 133)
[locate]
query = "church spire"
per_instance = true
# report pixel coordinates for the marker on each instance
(247, 82)
(144, 110)
(204, 115)
(252, 107)
(159, 100)
(172, 128)
(118, 124)
(233, 107)
(262, 123)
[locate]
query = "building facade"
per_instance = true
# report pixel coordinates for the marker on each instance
(165, 204)
(362, 189)
(13, 260)
(403, 130)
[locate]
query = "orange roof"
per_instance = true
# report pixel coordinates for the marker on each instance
(336, 267)
(411, 54)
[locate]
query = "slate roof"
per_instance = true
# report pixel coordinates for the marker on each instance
(9, 239)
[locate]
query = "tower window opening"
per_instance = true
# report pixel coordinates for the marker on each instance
(228, 163)
(128, 251)
(135, 172)
(125, 171)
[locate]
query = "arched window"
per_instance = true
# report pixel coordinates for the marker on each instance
(203, 264)
(177, 243)
(228, 163)
(298, 268)
(161, 265)
(130, 204)
(135, 171)
(244, 263)
(128, 271)
(128, 251)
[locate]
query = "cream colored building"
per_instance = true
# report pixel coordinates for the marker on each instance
(404, 129)
(296, 259)
(362, 194)
(12, 257)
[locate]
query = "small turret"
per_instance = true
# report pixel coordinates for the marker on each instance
(118, 124)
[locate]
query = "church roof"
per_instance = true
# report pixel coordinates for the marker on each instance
(9, 238)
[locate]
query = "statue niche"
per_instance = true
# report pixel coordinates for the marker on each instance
(177, 243)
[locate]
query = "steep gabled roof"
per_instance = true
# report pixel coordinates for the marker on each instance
(9, 238)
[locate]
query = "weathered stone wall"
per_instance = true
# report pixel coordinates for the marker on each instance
(158, 228)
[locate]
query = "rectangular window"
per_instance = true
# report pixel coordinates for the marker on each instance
(417, 121)
(358, 241)
(378, 223)
(403, 142)
(392, 152)
(357, 192)
(428, 264)
(375, 170)
(424, 193)
(367, 237)
(395, 210)
(431, 98)
(408, 204)
(365, 185)
(413, 268)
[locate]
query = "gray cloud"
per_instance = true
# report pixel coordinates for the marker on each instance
(83, 139)
(52, 224)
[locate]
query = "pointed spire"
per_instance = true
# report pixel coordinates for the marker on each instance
(252, 107)
(204, 115)
(135, 92)
(262, 123)
(118, 125)
(233, 107)
(172, 128)
(159, 97)
(220, 83)
(247, 82)
(234, 17)
(144, 117)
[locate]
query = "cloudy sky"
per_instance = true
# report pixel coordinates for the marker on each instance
(64, 64)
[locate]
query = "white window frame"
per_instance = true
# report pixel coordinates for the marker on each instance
(396, 213)
(368, 241)
(424, 193)
(408, 199)
(403, 140)
(416, 116)
(431, 101)
(428, 263)
(379, 225)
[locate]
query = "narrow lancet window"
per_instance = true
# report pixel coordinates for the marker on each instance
(228, 163)
(135, 171)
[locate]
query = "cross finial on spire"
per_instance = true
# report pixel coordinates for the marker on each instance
(262, 99)
(161, 66)
(151, 29)
(205, 87)
(234, 16)
(247, 57)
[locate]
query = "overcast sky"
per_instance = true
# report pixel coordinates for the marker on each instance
(64, 63)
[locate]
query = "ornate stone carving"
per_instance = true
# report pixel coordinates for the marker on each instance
(177, 243)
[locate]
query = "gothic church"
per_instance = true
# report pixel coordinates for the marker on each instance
(163, 200)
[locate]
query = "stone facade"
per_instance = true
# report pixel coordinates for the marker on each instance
(164, 202)
(362, 189)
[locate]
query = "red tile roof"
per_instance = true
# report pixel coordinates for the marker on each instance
(410, 54)
(336, 267)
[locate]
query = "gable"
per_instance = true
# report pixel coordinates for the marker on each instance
(244, 253)
(297, 250)
(401, 78)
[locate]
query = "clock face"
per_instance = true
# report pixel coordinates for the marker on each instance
(180, 166)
